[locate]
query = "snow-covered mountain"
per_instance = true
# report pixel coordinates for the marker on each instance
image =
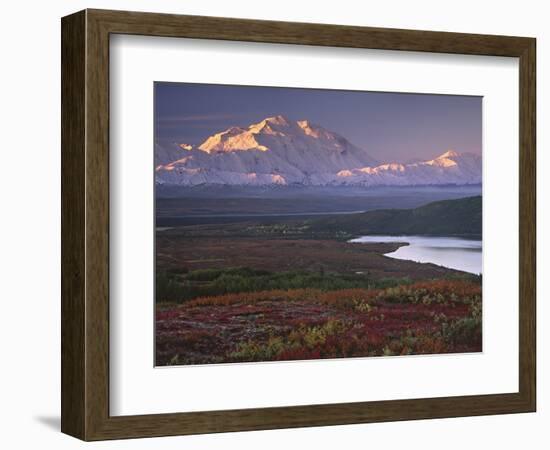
(277, 151)
(169, 152)
(449, 168)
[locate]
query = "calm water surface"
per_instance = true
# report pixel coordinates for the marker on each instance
(452, 252)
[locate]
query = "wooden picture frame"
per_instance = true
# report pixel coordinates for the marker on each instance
(85, 224)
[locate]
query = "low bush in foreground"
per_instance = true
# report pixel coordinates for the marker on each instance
(442, 316)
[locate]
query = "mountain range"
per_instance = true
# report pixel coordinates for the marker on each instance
(278, 151)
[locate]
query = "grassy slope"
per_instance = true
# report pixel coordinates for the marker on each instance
(447, 217)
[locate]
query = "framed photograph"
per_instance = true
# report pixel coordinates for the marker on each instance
(273, 225)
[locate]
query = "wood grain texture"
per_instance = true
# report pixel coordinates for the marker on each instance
(527, 224)
(200, 27)
(85, 224)
(73, 109)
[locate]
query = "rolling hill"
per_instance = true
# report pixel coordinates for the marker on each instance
(462, 217)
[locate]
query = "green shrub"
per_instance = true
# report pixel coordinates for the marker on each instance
(179, 287)
(463, 331)
(253, 351)
(167, 288)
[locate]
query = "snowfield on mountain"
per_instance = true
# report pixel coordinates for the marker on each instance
(278, 151)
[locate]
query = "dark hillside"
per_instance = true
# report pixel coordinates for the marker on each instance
(460, 217)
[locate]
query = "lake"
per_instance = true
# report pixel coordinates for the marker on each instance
(452, 252)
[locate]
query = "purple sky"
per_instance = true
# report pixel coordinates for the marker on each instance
(389, 126)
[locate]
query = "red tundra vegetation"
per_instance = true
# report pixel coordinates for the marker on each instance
(440, 316)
